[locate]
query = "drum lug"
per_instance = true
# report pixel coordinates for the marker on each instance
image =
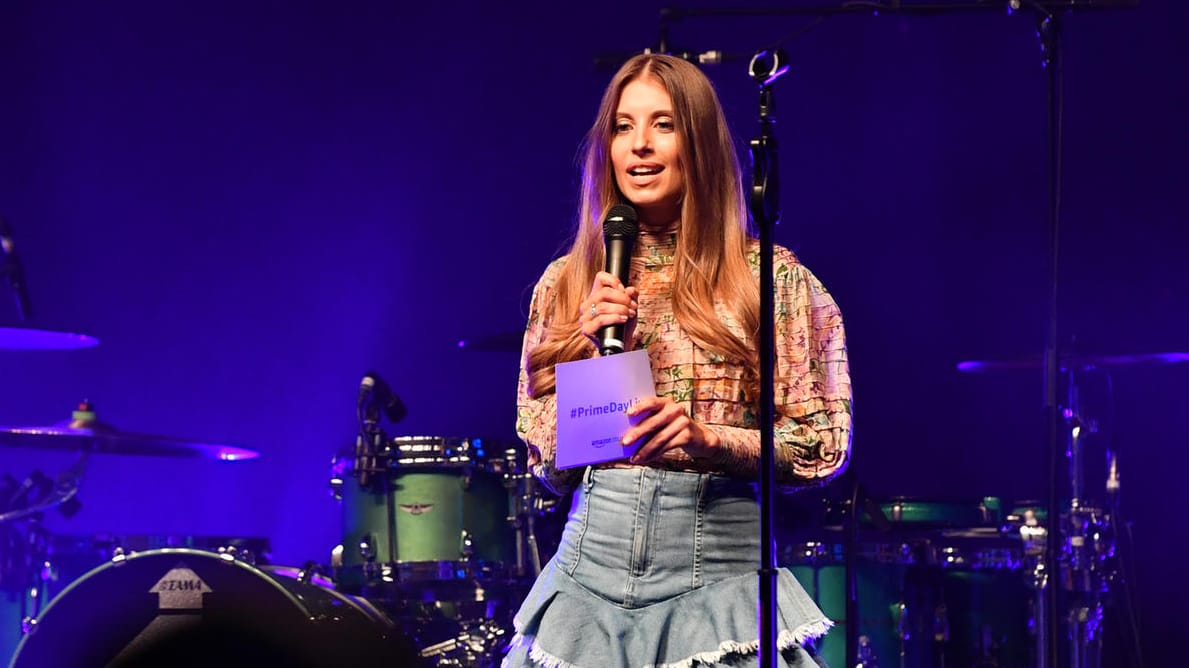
(941, 624)
(336, 488)
(367, 550)
(466, 545)
(866, 654)
(308, 570)
(245, 555)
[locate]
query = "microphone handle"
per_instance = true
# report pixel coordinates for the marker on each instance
(619, 253)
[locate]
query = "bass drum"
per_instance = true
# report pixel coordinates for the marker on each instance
(185, 607)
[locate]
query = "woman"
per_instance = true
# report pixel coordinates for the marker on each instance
(657, 563)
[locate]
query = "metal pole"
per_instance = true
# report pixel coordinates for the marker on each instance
(765, 68)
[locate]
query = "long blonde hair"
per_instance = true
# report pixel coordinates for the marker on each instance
(712, 235)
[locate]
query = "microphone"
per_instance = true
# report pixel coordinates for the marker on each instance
(619, 236)
(382, 395)
(16, 273)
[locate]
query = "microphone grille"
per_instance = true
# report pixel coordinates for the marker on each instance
(620, 221)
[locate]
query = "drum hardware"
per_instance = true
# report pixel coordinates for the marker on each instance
(941, 623)
(310, 573)
(866, 654)
(476, 645)
(930, 592)
(466, 546)
(38, 493)
(903, 632)
(1086, 543)
(240, 554)
(366, 552)
(1082, 540)
(528, 504)
(26, 570)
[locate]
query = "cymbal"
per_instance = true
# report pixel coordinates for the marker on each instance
(27, 338)
(1076, 362)
(85, 434)
(505, 342)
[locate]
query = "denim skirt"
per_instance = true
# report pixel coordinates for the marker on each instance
(657, 569)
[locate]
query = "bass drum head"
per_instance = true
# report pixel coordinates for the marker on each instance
(183, 607)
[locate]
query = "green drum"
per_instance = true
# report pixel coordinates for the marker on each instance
(932, 514)
(940, 584)
(987, 615)
(932, 616)
(435, 509)
(819, 568)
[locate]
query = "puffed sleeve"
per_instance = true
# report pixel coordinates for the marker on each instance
(812, 394)
(536, 417)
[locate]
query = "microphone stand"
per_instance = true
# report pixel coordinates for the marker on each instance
(1048, 655)
(765, 68)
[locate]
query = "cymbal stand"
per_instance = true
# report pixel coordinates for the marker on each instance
(1087, 541)
(520, 493)
(526, 503)
(36, 495)
(62, 494)
(370, 444)
(531, 508)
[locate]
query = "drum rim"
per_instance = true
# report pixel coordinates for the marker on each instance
(434, 439)
(272, 571)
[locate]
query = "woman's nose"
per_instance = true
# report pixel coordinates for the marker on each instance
(641, 141)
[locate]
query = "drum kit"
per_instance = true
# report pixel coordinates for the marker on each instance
(441, 539)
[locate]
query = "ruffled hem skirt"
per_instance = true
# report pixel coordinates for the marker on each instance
(562, 625)
(659, 570)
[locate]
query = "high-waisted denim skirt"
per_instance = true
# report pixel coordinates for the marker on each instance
(658, 569)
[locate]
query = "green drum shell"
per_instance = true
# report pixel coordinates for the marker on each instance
(878, 586)
(432, 509)
(926, 513)
(984, 614)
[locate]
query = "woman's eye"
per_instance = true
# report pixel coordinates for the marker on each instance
(665, 124)
(621, 128)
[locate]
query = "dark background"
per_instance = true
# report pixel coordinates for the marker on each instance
(252, 203)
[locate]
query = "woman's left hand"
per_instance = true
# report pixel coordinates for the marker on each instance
(670, 428)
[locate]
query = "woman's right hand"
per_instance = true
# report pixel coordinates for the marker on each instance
(609, 303)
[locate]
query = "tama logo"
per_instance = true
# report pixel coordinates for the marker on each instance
(416, 508)
(181, 585)
(180, 589)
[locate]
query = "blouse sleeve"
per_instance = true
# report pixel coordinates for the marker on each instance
(812, 394)
(536, 417)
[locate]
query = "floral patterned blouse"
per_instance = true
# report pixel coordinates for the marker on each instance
(813, 393)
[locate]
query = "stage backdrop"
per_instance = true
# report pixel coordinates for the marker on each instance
(252, 204)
